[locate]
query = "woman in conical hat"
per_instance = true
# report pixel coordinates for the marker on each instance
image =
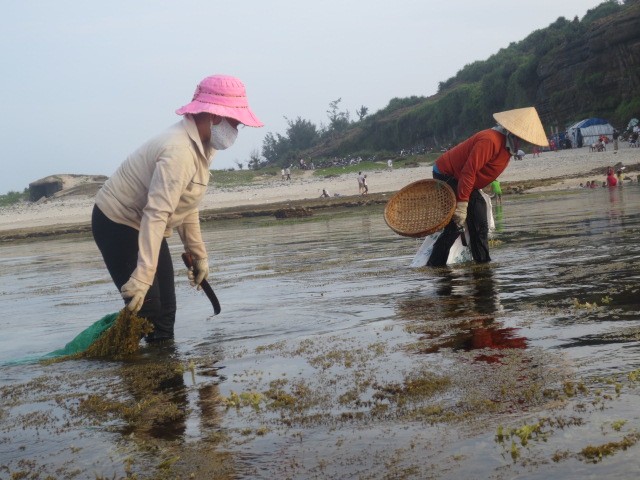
(472, 165)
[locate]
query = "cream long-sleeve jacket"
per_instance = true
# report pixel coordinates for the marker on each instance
(158, 188)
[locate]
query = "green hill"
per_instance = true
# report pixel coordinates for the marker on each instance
(571, 70)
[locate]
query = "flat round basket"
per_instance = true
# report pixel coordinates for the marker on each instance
(420, 208)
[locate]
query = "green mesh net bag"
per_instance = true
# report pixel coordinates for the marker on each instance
(85, 338)
(114, 335)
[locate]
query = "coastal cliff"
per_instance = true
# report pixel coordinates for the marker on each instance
(596, 73)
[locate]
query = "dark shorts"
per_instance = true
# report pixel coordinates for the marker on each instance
(119, 247)
(477, 225)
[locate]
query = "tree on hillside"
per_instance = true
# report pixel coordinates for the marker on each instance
(338, 121)
(302, 134)
(255, 161)
(603, 10)
(362, 112)
(275, 148)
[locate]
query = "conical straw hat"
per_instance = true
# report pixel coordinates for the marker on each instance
(524, 123)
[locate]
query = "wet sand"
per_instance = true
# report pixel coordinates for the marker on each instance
(550, 171)
(332, 359)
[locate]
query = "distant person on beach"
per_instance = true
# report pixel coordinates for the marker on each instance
(389, 164)
(612, 181)
(365, 186)
(325, 193)
(360, 183)
(158, 188)
(615, 135)
(497, 191)
(471, 166)
(284, 175)
(287, 172)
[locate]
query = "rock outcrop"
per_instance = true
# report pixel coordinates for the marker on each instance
(594, 71)
(67, 184)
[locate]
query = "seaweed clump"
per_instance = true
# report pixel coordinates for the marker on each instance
(121, 338)
(595, 453)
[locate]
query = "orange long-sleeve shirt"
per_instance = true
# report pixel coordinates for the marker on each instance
(476, 162)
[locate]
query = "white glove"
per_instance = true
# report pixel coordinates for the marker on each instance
(135, 290)
(199, 272)
(460, 215)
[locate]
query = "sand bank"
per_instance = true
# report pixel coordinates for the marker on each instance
(568, 168)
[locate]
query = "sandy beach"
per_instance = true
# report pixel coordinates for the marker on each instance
(569, 167)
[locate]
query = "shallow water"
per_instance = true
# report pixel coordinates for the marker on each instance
(332, 359)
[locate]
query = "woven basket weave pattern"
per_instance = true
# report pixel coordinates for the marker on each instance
(420, 208)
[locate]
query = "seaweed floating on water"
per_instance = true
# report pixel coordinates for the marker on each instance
(595, 453)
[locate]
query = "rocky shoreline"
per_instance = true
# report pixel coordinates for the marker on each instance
(209, 215)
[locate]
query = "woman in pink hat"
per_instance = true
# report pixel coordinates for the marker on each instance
(158, 188)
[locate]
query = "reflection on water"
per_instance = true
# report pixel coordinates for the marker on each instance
(338, 359)
(462, 314)
(498, 217)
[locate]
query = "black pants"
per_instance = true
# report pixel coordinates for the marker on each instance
(477, 226)
(119, 247)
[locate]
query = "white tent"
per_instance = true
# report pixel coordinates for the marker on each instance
(588, 131)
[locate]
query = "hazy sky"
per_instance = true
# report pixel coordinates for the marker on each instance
(85, 83)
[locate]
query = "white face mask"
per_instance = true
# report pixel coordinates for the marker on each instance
(223, 135)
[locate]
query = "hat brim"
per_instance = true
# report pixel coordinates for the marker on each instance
(525, 124)
(244, 115)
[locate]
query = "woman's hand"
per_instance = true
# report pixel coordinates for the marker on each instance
(134, 291)
(199, 272)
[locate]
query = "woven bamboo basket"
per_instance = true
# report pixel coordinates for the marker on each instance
(420, 208)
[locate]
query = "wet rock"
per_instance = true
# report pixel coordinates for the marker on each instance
(294, 212)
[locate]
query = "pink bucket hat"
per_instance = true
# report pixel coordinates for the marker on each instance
(224, 96)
